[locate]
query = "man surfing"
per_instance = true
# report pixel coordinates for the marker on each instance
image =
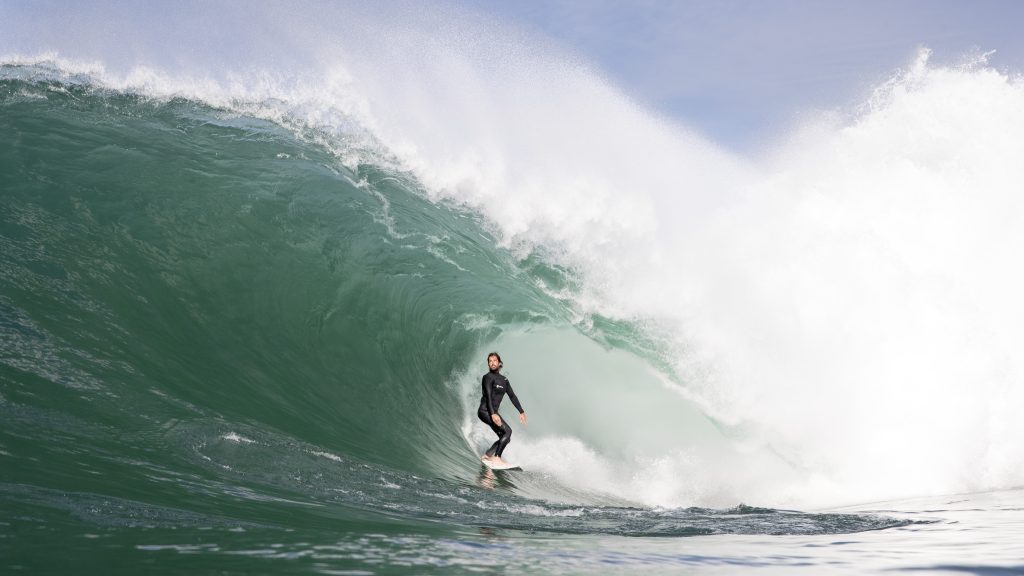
(494, 387)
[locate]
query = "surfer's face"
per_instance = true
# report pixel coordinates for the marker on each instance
(493, 363)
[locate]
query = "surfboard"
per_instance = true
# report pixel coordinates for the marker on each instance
(500, 466)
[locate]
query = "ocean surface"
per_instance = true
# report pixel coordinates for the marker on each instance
(244, 317)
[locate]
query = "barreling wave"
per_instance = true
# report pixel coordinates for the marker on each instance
(308, 238)
(199, 303)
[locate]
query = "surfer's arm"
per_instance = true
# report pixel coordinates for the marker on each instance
(489, 387)
(490, 401)
(515, 402)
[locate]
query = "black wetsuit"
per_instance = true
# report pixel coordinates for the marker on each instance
(495, 386)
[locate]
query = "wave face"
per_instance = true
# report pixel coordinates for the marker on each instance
(278, 260)
(171, 255)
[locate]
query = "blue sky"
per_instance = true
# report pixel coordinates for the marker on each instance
(740, 71)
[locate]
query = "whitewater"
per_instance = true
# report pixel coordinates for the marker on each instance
(254, 256)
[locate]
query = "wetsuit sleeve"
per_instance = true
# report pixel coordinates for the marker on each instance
(486, 382)
(515, 401)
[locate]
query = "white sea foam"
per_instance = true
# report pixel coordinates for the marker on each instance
(851, 308)
(327, 455)
(237, 438)
(849, 301)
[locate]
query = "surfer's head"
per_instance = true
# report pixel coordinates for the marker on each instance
(494, 361)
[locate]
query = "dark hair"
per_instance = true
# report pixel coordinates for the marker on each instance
(498, 356)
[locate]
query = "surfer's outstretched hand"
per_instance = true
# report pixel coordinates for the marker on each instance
(522, 418)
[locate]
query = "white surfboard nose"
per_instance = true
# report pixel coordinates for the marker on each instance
(496, 466)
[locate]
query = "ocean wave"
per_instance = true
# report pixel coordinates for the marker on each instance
(838, 307)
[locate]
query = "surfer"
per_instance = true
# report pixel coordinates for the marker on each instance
(495, 386)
